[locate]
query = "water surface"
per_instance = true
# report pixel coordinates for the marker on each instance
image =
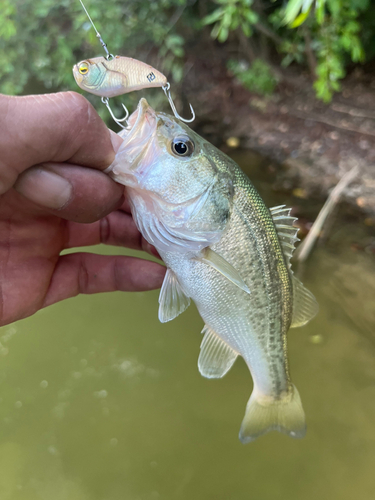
(99, 401)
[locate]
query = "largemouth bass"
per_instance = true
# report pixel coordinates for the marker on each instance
(225, 250)
(117, 76)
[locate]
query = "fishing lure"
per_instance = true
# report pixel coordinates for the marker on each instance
(111, 76)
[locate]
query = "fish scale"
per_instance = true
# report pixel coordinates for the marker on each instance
(222, 249)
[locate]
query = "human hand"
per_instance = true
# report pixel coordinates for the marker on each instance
(53, 196)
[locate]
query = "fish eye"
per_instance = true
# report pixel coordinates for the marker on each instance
(182, 146)
(83, 68)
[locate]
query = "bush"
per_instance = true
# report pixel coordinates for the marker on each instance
(40, 40)
(256, 78)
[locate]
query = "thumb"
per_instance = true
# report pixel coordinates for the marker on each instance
(61, 127)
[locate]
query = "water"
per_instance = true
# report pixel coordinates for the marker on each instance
(99, 401)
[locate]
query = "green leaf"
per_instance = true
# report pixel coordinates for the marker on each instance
(299, 19)
(288, 59)
(213, 17)
(292, 9)
(223, 34)
(215, 30)
(251, 16)
(246, 29)
(319, 11)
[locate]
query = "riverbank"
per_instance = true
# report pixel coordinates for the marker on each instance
(312, 144)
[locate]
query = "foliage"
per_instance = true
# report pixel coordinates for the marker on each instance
(256, 78)
(231, 14)
(40, 40)
(337, 33)
(297, 11)
(325, 34)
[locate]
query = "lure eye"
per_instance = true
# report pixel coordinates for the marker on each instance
(83, 68)
(182, 146)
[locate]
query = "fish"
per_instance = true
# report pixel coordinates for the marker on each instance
(226, 251)
(113, 77)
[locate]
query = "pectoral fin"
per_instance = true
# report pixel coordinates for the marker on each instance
(214, 260)
(172, 298)
(305, 306)
(216, 357)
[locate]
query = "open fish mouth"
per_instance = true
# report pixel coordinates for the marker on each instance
(141, 127)
(137, 136)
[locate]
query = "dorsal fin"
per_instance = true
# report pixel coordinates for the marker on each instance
(305, 306)
(172, 299)
(216, 357)
(286, 231)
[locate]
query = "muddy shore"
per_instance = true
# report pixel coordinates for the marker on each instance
(310, 144)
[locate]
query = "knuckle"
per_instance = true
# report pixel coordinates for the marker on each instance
(80, 110)
(105, 230)
(83, 116)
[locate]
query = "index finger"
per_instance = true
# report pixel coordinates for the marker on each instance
(61, 127)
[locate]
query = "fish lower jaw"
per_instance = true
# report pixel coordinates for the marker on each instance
(118, 174)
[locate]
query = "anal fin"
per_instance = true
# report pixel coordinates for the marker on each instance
(214, 260)
(305, 306)
(172, 299)
(216, 357)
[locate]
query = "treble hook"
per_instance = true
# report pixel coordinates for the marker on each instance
(167, 92)
(105, 100)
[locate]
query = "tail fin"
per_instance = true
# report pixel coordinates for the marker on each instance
(284, 415)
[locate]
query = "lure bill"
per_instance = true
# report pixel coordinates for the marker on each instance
(116, 76)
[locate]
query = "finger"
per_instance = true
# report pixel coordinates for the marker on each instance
(118, 229)
(89, 273)
(61, 127)
(125, 207)
(70, 191)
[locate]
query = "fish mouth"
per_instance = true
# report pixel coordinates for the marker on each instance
(141, 124)
(137, 137)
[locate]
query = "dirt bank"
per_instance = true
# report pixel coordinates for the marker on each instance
(313, 143)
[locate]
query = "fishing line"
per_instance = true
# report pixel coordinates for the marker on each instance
(149, 83)
(108, 56)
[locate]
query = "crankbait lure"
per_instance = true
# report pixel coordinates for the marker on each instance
(111, 76)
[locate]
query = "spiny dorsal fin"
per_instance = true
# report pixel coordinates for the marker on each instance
(216, 357)
(305, 306)
(214, 260)
(172, 298)
(286, 232)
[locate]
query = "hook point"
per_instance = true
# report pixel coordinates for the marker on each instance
(167, 92)
(119, 121)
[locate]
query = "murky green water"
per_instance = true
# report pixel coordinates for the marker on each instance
(99, 401)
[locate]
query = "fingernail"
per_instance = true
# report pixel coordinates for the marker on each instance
(116, 141)
(44, 188)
